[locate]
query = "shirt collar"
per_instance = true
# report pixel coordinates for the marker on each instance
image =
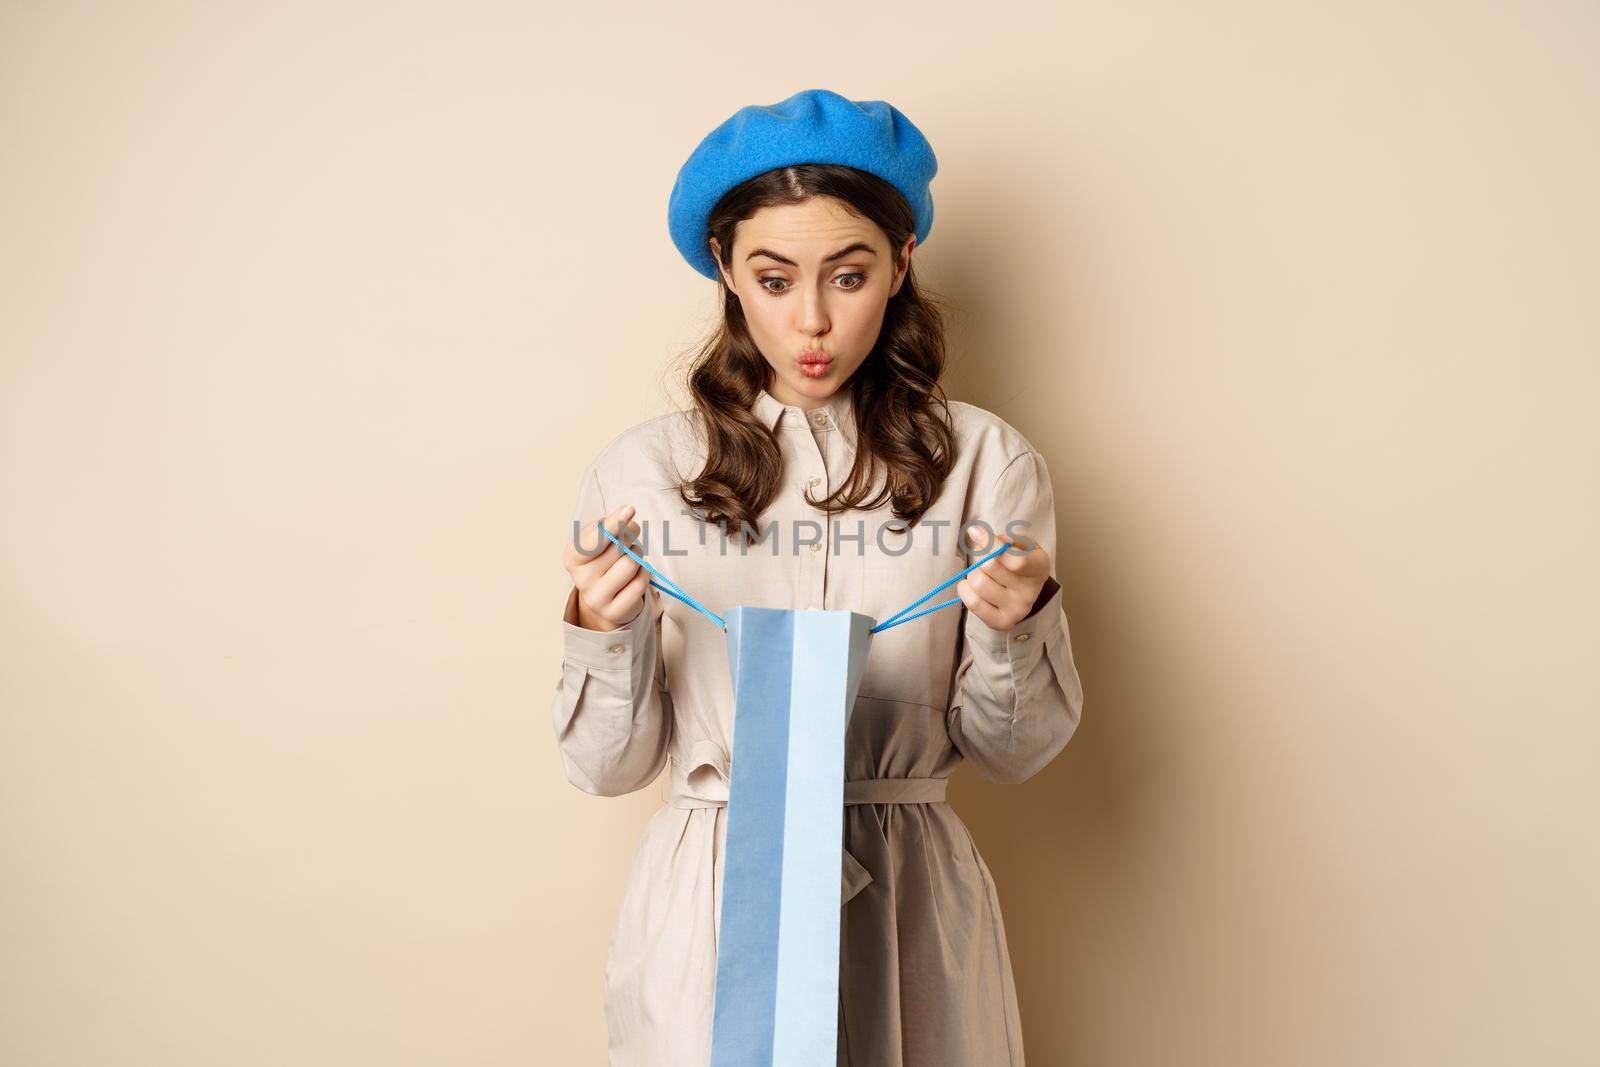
(838, 409)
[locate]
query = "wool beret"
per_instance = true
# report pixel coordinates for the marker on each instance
(812, 126)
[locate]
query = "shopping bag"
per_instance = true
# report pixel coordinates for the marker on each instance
(795, 677)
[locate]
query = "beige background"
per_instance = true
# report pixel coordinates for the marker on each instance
(311, 315)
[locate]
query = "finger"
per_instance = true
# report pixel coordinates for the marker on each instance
(990, 585)
(627, 533)
(608, 584)
(1036, 563)
(591, 542)
(1023, 540)
(1023, 564)
(602, 558)
(985, 542)
(632, 596)
(1020, 553)
(976, 603)
(988, 612)
(637, 592)
(981, 541)
(618, 524)
(600, 561)
(997, 569)
(1024, 557)
(621, 607)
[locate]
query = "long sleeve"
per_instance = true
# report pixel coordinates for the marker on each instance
(612, 710)
(1016, 697)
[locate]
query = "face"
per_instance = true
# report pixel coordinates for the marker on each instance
(812, 279)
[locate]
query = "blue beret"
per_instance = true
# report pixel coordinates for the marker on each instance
(812, 126)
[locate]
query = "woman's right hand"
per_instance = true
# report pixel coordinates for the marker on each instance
(611, 584)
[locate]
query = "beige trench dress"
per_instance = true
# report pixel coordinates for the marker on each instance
(925, 976)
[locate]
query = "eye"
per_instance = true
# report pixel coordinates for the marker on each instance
(859, 276)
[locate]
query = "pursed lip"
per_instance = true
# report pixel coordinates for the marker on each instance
(811, 355)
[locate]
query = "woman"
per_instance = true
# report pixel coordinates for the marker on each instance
(820, 468)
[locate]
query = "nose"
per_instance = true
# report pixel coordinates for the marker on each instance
(813, 313)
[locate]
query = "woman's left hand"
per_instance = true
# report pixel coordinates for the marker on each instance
(1002, 591)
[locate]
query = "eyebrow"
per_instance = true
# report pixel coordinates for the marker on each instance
(859, 246)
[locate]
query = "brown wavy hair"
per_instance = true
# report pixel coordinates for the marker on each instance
(902, 416)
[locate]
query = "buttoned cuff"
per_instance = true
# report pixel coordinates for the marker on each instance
(1029, 633)
(605, 650)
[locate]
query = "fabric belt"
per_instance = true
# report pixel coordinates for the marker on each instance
(693, 787)
(896, 791)
(859, 791)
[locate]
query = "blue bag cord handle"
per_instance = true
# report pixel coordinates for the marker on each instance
(896, 620)
(893, 620)
(672, 592)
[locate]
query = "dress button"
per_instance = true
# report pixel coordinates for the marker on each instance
(1021, 637)
(814, 481)
(819, 418)
(816, 546)
(617, 647)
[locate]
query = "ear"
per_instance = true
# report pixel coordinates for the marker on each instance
(717, 259)
(903, 264)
